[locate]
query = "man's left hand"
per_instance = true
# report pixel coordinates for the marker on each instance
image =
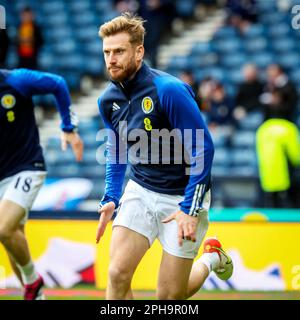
(187, 226)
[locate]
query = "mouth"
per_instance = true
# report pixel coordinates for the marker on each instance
(114, 68)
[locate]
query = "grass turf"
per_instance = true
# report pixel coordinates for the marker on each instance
(93, 294)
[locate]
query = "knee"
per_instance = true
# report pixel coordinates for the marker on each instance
(165, 294)
(5, 234)
(119, 277)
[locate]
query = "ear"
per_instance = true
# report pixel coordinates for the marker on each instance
(139, 52)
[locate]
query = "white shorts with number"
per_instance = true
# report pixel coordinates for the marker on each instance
(22, 189)
(142, 211)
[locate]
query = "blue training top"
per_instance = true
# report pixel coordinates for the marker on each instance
(19, 137)
(156, 100)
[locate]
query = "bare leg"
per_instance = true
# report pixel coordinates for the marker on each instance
(173, 277)
(198, 276)
(11, 236)
(126, 251)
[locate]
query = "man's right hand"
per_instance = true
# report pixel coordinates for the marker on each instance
(106, 213)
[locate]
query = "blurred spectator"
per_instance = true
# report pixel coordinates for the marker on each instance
(280, 97)
(218, 104)
(29, 40)
(4, 44)
(248, 93)
(278, 153)
(159, 15)
(241, 13)
(188, 77)
(126, 5)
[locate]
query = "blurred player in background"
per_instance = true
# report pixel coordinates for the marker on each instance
(160, 200)
(22, 165)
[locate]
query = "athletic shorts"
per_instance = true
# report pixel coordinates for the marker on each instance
(142, 211)
(22, 189)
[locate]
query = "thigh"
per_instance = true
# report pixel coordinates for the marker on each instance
(127, 248)
(10, 215)
(23, 189)
(173, 277)
(136, 212)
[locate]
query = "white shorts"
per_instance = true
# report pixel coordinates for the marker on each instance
(142, 211)
(22, 189)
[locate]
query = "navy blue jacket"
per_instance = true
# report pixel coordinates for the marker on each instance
(156, 100)
(19, 137)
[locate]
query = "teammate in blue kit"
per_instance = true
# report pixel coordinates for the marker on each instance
(22, 165)
(160, 200)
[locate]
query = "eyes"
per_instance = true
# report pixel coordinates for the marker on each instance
(117, 52)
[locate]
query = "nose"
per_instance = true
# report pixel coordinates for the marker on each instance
(111, 59)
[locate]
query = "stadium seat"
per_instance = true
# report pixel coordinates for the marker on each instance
(262, 59)
(228, 45)
(225, 33)
(254, 31)
(243, 139)
(284, 45)
(252, 121)
(222, 157)
(279, 30)
(202, 48)
(234, 60)
(255, 45)
(289, 60)
(243, 157)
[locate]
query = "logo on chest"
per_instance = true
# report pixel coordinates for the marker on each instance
(147, 105)
(8, 101)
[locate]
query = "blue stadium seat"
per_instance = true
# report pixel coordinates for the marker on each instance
(284, 45)
(279, 30)
(69, 46)
(228, 45)
(226, 33)
(289, 60)
(214, 72)
(254, 31)
(252, 121)
(234, 60)
(255, 45)
(57, 21)
(72, 62)
(79, 6)
(53, 7)
(180, 63)
(243, 171)
(295, 75)
(243, 157)
(262, 59)
(235, 75)
(274, 18)
(202, 48)
(94, 65)
(87, 34)
(266, 5)
(221, 157)
(243, 139)
(84, 19)
(93, 47)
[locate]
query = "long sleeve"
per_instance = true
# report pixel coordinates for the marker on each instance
(115, 171)
(178, 103)
(30, 83)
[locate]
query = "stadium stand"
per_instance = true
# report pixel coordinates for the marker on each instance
(73, 49)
